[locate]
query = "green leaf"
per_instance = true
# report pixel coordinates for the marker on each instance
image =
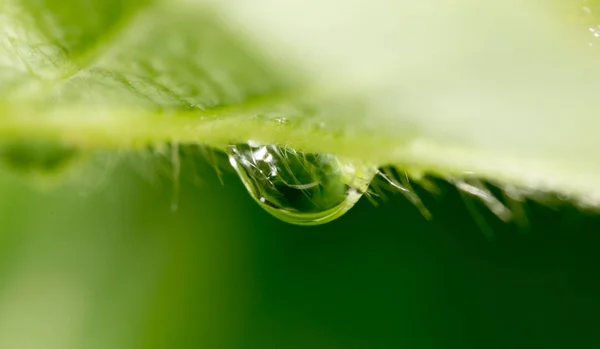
(500, 90)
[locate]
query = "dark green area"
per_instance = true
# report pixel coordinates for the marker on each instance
(36, 157)
(114, 267)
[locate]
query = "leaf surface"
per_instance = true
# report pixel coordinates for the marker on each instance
(505, 91)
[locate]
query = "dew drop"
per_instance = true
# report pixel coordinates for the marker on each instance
(300, 188)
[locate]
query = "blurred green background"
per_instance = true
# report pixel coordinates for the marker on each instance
(110, 265)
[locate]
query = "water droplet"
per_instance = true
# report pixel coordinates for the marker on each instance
(300, 188)
(281, 120)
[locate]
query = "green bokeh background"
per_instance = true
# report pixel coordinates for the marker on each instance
(108, 264)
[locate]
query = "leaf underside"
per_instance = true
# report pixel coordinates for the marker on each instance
(514, 104)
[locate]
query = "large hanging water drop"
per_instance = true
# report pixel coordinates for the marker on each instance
(300, 188)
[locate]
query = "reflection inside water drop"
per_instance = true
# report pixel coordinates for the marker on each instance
(300, 188)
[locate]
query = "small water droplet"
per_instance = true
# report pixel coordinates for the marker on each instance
(300, 188)
(281, 120)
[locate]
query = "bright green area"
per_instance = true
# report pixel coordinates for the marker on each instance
(431, 86)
